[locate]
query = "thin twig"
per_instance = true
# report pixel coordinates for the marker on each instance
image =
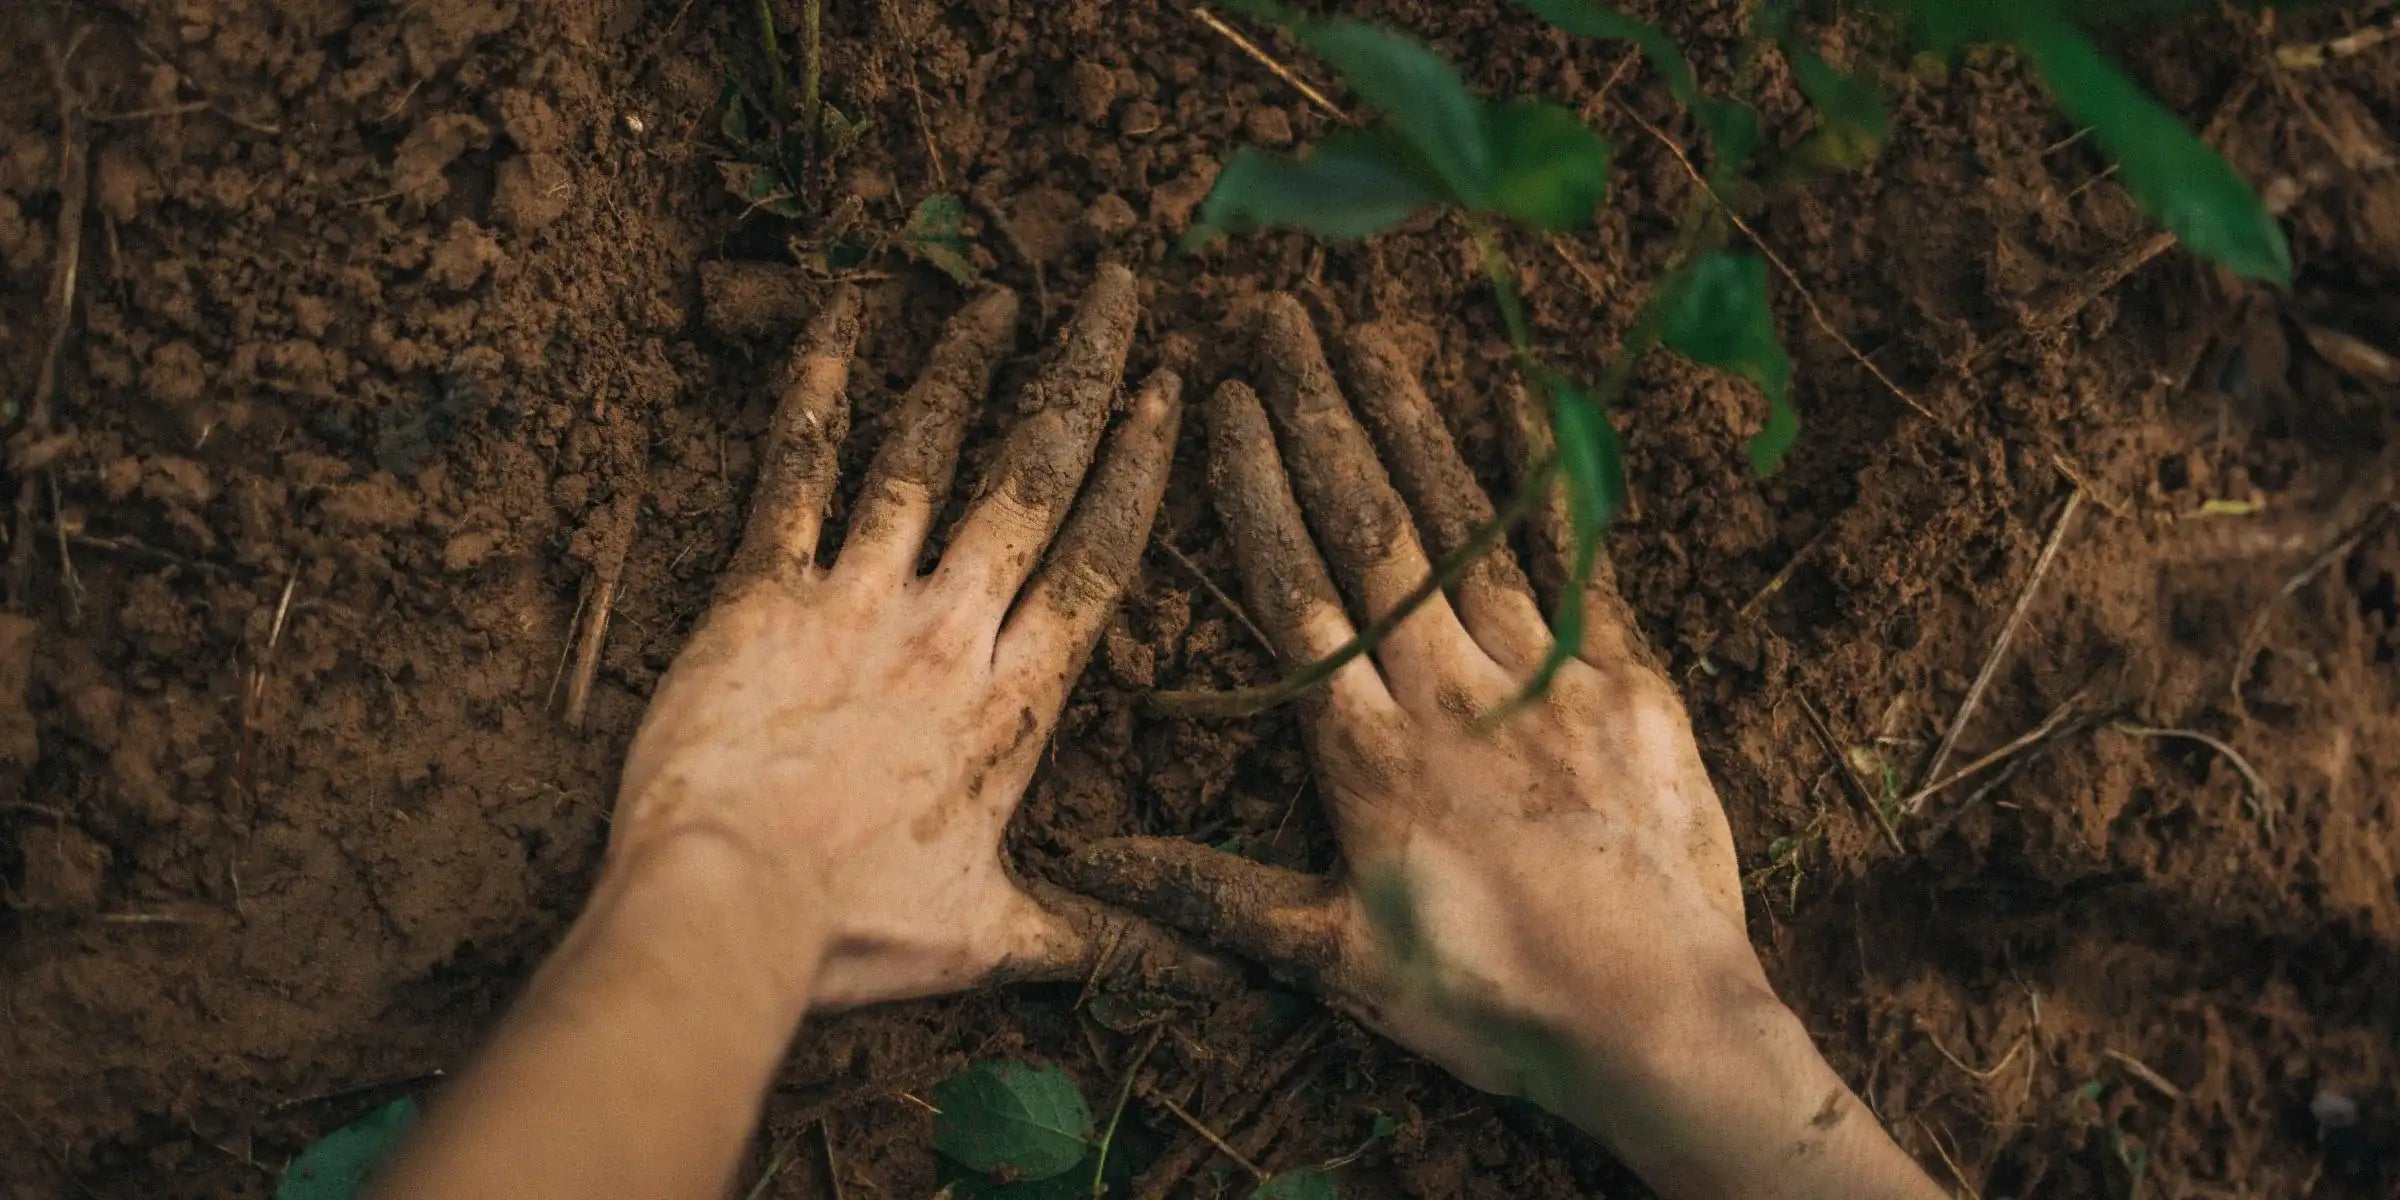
(2257, 794)
(2057, 719)
(1841, 765)
(1284, 73)
(1947, 1161)
(2142, 1071)
(607, 573)
(74, 189)
(916, 97)
(1985, 1074)
(833, 1167)
(2324, 561)
(2008, 632)
(2302, 56)
(1808, 299)
(348, 1090)
(1207, 1134)
(1210, 586)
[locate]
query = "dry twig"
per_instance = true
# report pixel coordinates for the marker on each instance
(74, 190)
(2142, 1071)
(2256, 632)
(2057, 720)
(2302, 56)
(1991, 661)
(1218, 594)
(2257, 794)
(1841, 766)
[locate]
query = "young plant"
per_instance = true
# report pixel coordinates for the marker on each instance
(1435, 145)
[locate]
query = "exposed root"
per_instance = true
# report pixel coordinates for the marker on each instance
(2257, 795)
(74, 189)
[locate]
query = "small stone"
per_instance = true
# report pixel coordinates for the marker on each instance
(2333, 1110)
(1110, 216)
(1269, 126)
(1140, 119)
(1091, 91)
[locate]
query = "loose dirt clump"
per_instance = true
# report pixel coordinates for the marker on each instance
(400, 328)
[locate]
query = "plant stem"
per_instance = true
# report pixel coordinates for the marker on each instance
(812, 72)
(1502, 275)
(780, 83)
(1124, 1093)
(1243, 702)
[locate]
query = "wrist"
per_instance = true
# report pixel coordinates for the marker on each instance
(1726, 1095)
(695, 920)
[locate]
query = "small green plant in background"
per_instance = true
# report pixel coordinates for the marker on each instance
(1536, 167)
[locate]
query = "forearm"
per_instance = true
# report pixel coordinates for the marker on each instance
(1730, 1098)
(635, 1063)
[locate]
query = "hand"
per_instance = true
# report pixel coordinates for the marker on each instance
(861, 734)
(1569, 924)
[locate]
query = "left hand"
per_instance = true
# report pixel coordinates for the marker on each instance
(861, 734)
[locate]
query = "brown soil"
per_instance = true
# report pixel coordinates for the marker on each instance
(397, 334)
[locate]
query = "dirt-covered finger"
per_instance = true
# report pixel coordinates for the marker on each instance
(1065, 936)
(1041, 464)
(913, 468)
(1608, 637)
(1358, 516)
(1285, 920)
(1494, 599)
(1099, 551)
(1285, 579)
(797, 472)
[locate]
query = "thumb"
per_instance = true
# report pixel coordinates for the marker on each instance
(1054, 935)
(1289, 921)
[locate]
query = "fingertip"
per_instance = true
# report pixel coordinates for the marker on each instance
(833, 332)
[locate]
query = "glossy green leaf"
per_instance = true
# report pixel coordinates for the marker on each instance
(1584, 18)
(337, 1166)
(1012, 1120)
(1714, 312)
(1853, 110)
(2181, 183)
(1422, 96)
(1550, 171)
(1309, 1183)
(1354, 183)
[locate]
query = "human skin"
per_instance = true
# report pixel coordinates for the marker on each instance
(811, 814)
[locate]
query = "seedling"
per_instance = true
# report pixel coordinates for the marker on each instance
(1535, 166)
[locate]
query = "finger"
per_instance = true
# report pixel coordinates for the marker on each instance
(1359, 519)
(912, 469)
(796, 476)
(1494, 601)
(1608, 636)
(1098, 552)
(1285, 580)
(1026, 493)
(1285, 920)
(1058, 935)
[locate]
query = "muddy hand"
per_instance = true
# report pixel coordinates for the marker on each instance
(870, 730)
(1568, 874)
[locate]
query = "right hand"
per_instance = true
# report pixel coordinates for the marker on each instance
(1573, 926)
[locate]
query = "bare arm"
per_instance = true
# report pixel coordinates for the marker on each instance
(810, 817)
(1548, 908)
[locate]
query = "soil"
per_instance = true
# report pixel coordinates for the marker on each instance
(404, 330)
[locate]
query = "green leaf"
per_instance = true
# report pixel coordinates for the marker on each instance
(1855, 121)
(1550, 171)
(1354, 183)
(1012, 1120)
(337, 1166)
(1583, 18)
(2181, 183)
(933, 232)
(1734, 133)
(1594, 466)
(1714, 312)
(1310, 1183)
(1426, 101)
